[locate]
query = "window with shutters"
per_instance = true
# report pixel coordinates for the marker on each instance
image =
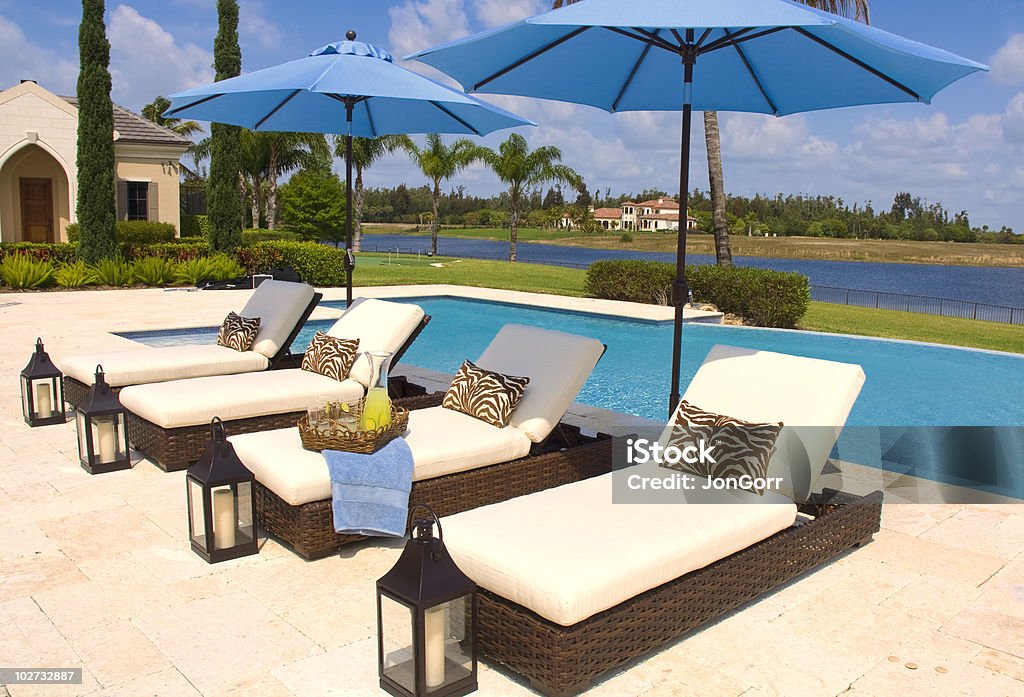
(138, 200)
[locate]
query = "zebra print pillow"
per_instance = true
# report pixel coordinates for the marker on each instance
(738, 447)
(330, 356)
(484, 394)
(238, 332)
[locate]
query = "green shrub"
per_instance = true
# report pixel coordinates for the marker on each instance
(140, 232)
(260, 258)
(317, 264)
(763, 297)
(250, 237)
(60, 253)
(174, 251)
(22, 271)
(195, 226)
(626, 237)
(72, 232)
(75, 275)
(112, 272)
(154, 271)
(218, 267)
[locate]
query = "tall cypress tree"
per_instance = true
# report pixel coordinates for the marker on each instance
(96, 208)
(224, 192)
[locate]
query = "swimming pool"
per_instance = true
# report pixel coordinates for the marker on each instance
(908, 384)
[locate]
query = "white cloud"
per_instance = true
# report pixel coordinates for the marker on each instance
(146, 60)
(785, 142)
(1013, 120)
(494, 13)
(24, 60)
(253, 26)
(419, 24)
(1008, 62)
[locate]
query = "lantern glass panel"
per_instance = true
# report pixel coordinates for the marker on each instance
(243, 506)
(83, 444)
(196, 519)
(396, 643)
(108, 444)
(448, 643)
(26, 387)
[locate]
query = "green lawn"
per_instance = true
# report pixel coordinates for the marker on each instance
(373, 270)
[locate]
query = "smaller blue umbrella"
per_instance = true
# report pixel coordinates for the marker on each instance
(348, 87)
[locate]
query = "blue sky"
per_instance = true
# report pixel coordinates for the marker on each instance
(964, 150)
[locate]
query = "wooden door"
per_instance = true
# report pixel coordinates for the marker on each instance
(36, 210)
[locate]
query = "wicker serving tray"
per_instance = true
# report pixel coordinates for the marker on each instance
(337, 437)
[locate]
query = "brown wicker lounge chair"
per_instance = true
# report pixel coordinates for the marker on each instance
(461, 463)
(709, 553)
(249, 403)
(290, 304)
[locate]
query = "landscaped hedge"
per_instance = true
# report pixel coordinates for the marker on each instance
(61, 253)
(134, 232)
(255, 236)
(762, 297)
(317, 264)
(195, 226)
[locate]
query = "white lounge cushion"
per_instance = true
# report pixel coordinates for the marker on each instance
(379, 325)
(279, 305)
(442, 442)
(811, 397)
(568, 553)
(557, 363)
(197, 400)
(142, 365)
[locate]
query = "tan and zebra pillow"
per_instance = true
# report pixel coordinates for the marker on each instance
(330, 356)
(484, 394)
(238, 332)
(738, 447)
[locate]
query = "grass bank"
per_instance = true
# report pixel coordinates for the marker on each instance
(822, 248)
(373, 270)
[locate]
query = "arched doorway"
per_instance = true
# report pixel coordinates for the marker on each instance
(35, 195)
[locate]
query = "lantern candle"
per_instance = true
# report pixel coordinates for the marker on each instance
(223, 518)
(434, 631)
(44, 403)
(107, 440)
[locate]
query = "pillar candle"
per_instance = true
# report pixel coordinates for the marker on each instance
(44, 402)
(433, 633)
(223, 518)
(107, 440)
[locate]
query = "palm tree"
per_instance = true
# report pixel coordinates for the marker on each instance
(859, 10)
(366, 151)
(521, 170)
(154, 112)
(441, 162)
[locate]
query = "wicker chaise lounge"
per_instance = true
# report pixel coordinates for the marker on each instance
(573, 584)
(169, 421)
(282, 307)
(460, 462)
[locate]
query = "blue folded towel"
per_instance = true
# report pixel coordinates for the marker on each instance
(371, 492)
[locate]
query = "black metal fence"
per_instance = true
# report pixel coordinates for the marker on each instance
(944, 307)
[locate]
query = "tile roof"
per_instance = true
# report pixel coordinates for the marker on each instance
(667, 203)
(133, 128)
(608, 213)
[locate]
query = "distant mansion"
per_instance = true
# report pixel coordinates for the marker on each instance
(39, 177)
(660, 214)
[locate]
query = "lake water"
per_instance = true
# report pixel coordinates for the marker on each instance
(985, 284)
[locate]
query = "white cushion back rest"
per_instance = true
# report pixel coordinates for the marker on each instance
(380, 326)
(811, 397)
(279, 305)
(558, 364)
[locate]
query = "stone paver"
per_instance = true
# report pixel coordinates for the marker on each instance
(97, 572)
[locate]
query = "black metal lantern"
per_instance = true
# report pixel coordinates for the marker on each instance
(221, 505)
(42, 390)
(426, 619)
(102, 430)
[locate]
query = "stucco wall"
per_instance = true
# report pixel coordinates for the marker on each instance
(32, 161)
(159, 166)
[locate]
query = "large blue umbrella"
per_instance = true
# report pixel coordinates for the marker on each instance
(767, 56)
(348, 87)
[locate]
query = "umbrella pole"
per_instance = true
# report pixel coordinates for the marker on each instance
(350, 260)
(680, 291)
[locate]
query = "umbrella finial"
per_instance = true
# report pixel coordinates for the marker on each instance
(350, 35)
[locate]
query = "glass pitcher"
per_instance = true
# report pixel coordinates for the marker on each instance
(377, 407)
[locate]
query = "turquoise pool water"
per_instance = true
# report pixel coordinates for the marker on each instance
(947, 414)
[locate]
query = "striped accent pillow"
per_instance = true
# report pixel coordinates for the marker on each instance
(738, 447)
(330, 356)
(484, 394)
(238, 332)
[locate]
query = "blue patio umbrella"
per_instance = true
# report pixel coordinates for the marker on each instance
(767, 56)
(348, 87)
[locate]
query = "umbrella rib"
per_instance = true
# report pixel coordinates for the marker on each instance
(737, 36)
(369, 117)
(204, 100)
(632, 74)
(449, 112)
(703, 37)
(858, 62)
(646, 37)
(277, 108)
(526, 59)
(754, 76)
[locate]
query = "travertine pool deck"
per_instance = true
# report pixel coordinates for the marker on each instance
(97, 572)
